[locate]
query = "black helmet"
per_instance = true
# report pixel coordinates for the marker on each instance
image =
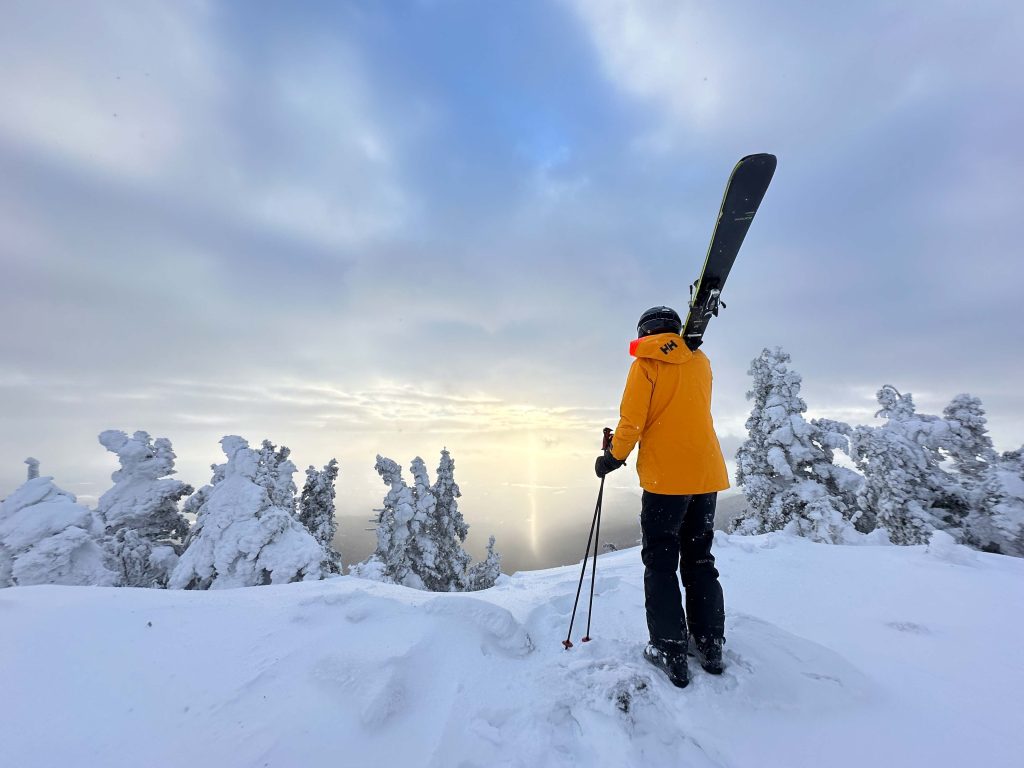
(659, 320)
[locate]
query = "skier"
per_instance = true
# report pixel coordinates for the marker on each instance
(666, 406)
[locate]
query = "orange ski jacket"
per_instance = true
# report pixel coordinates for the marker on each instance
(667, 408)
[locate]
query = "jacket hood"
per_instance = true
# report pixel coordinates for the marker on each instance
(666, 347)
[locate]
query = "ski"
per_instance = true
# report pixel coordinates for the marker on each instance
(743, 194)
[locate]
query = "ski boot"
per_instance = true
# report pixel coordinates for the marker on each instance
(708, 651)
(670, 657)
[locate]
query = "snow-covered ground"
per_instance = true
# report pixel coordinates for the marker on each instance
(838, 656)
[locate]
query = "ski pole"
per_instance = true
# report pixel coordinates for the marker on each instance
(595, 524)
(597, 546)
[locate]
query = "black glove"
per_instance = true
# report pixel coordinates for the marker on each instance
(606, 463)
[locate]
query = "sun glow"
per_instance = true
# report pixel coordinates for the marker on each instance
(531, 479)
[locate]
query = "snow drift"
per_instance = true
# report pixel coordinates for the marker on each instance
(840, 656)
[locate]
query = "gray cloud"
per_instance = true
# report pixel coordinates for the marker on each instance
(340, 246)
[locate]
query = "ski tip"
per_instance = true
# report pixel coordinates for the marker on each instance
(762, 160)
(759, 157)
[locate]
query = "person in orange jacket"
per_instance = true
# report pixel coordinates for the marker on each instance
(666, 407)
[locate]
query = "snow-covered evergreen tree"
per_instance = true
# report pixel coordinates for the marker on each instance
(840, 483)
(448, 528)
(139, 562)
(275, 473)
(1003, 491)
(195, 502)
(427, 562)
(397, 530)
(968, 444)
(140, 513)
(420, 530)
(46, 537)
(241, 538)
(484, 574)
(317, 513)
(905, 488)
(786, 467)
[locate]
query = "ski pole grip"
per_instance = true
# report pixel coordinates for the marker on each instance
(606, 442)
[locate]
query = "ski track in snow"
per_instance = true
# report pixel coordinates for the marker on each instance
(836, 655)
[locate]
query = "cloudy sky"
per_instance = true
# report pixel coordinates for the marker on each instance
(389, 227)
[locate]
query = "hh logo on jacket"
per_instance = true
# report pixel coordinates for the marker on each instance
(666, 407)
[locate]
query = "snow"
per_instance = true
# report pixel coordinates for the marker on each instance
(39, 509)
(942, 546)
(46, 537)
(241, 538)
(839, 656)
(420, 531)
(143, 497)
(786, 466)
(316, 510)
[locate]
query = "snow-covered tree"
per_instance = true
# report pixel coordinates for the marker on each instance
(275, 473)
(427, 549)
(966, 441)
(484, 574)
(144, 497)
(905, 488)
(447, 527)
(140, 513)
(1003, 492)
(840, 483)
(195, 502)
(420, 530)
(404, 546)
(316, 510)
(46, 537)
(241, 538)
(786, 467)
(398, 530)
(139, 562)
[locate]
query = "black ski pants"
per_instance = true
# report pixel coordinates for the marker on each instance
(677, 535)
